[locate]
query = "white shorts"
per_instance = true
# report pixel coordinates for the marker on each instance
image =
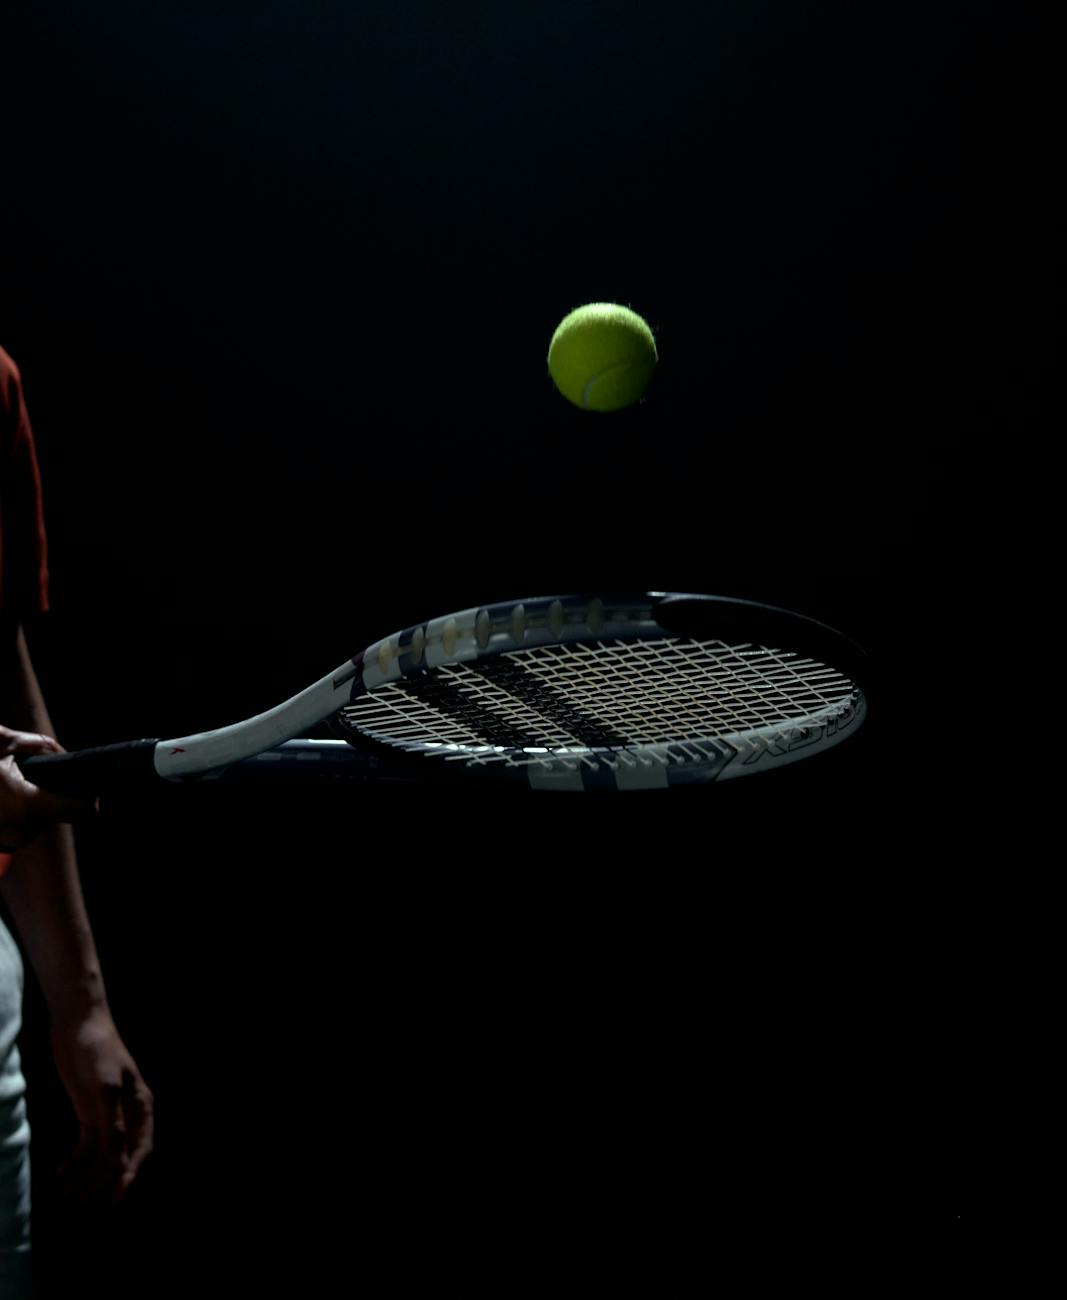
(14, 1131)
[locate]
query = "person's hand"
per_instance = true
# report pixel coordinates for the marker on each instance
(113, 1105)
(26, 810)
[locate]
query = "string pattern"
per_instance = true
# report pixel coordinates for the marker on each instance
(598, 701)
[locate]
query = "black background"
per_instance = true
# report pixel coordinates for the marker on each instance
(280, 280)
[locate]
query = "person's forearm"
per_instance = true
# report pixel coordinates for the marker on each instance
(43, 894)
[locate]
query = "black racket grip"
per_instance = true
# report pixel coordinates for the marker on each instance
(90, 772)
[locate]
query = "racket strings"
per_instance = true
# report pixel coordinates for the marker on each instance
(566, 701)
(703, 692)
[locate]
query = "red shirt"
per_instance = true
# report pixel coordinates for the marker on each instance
(23, 548)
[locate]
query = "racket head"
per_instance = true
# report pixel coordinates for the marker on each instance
(607, 692)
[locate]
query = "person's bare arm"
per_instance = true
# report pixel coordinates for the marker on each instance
(44, 896)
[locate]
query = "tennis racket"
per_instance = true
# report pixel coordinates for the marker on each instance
(574, 693)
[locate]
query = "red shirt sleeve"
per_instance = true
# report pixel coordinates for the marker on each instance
(23, 547)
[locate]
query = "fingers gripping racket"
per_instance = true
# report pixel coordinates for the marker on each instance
(556, 693)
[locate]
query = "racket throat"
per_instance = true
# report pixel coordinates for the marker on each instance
(210, 752)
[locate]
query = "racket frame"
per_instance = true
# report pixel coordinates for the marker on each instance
(512, 628)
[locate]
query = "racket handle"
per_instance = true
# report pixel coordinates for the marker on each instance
(89, 772)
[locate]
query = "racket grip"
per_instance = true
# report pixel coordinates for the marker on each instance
(90, 772)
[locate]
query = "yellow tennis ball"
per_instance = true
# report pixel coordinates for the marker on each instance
(602, 356)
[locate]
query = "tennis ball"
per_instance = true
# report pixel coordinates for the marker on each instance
(602, 356)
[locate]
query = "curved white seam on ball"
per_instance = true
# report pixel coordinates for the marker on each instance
(622, 365)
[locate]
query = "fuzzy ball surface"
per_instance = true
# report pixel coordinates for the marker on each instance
(602, 356)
